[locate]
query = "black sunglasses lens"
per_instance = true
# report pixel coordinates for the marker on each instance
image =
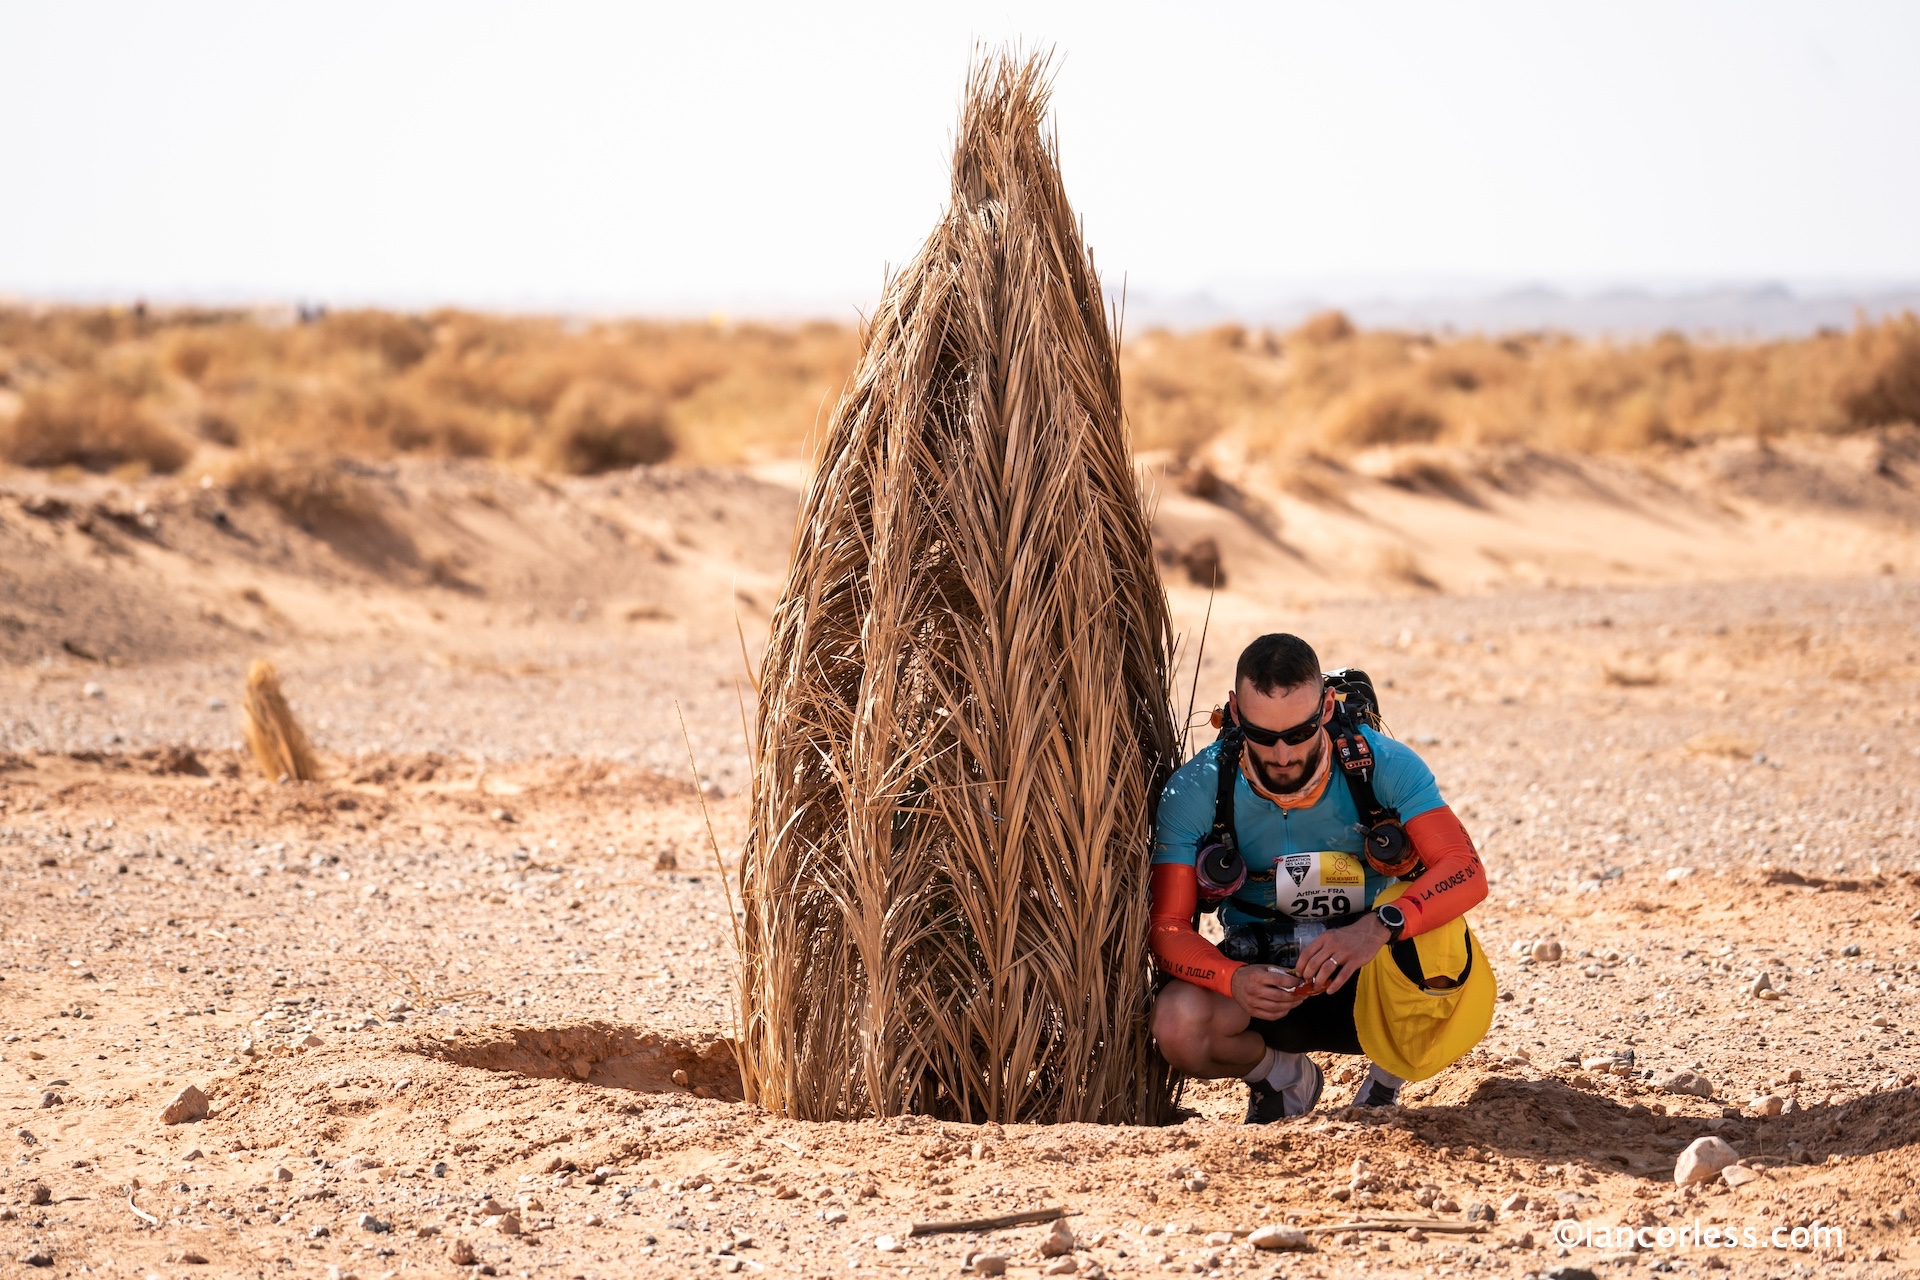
(1293, 737)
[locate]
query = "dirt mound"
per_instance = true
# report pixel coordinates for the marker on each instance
(600, 1054)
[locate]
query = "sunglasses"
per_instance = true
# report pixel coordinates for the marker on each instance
(1293, 737)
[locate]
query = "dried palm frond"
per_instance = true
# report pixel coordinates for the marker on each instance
(964, 717)
(273, 735)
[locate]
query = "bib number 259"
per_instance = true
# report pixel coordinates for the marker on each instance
(1321, 904)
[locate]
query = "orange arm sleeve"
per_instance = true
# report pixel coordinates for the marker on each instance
(1453, 883)
(1177, 945)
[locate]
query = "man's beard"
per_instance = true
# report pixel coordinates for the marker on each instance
(1308, 769)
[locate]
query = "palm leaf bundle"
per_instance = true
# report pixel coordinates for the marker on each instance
(964, 717)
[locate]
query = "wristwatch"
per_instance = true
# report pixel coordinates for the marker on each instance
(1392, 917)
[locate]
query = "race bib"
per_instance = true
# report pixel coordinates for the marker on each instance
(1311, 886)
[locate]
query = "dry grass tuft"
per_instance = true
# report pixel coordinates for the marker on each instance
(273, 735)
(964, 717)
(600, 426)
(89, 422)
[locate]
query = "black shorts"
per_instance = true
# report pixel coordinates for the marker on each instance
(1318, 1024)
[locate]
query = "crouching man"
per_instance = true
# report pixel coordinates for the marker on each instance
(1341, 879)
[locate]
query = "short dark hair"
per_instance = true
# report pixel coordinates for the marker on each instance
(1278, 661)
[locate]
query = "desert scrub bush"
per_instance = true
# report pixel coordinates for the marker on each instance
(89, 422)
(600, 426)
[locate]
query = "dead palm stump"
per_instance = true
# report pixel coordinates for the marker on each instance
(964, 717)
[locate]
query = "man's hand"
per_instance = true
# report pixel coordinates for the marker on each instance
(1265, 992)
(1336, 955)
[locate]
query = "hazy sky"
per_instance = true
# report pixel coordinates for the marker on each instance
(779, 156)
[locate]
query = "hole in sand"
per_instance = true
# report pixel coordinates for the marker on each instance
(601, 1054)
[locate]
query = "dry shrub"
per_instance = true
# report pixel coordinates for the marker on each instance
(1399, 565)
(1886, 389)
(598, 426)
(309, 490)
(1322, 329)
(273, 735)
(964, 717)
(1382, 415)
(88, 422)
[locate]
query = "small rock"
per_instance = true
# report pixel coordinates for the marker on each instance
(1771, 1104)
(1197, 1182)
(318, 1233)
(834, 1215)
(1759, 984)
(1060, 1267)
(368, 1222)
(591, 1220)
(1676, 874)
(1702, 1160)
(282, 1174)
(39, 1193)
(1569, 1273)
(195, 1154)
(680, 1077)
(50, 1099)
(1851, 949)
(1687, 1082)
(1059, 1240)
(1414, 1234)
(1218, 1239)
(509, 1224)
(1478, 1211)
(190, 1258)
(1514, 1203)
(666, 860)
(37, 1258)
(988, 1264)
(311, 1042)
(439, 1169)
(887, 1244)
(1276, 1236)
(188, 1104)
(1547, 950)
(91, 689)
(1737, 1175)
(1879, 1020)
(460, 1253)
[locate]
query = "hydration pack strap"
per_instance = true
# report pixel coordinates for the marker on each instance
(1228, 762)
(1356, 766)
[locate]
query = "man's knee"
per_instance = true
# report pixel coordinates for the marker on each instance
(1183, 1018)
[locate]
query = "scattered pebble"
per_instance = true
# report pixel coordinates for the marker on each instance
(189, 1104)
(1276, 1236)
(1703, 1159)
(1685, 1082)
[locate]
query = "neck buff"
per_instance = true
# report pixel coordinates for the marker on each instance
(1307, 796)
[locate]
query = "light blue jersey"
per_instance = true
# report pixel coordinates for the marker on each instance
(1301, 862)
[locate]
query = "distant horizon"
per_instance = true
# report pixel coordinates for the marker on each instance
(1735, 309)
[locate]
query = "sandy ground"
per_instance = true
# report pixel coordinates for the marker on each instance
(480, 976)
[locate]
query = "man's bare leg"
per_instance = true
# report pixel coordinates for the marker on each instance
(1204, 1034)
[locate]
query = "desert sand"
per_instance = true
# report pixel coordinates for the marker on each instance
(466, 1003)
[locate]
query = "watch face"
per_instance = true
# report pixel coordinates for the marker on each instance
(1391, 917)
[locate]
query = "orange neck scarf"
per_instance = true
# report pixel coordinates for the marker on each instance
(1307, 796)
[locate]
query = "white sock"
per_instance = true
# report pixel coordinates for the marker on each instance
(1380, 1075)
(1267, 1060)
